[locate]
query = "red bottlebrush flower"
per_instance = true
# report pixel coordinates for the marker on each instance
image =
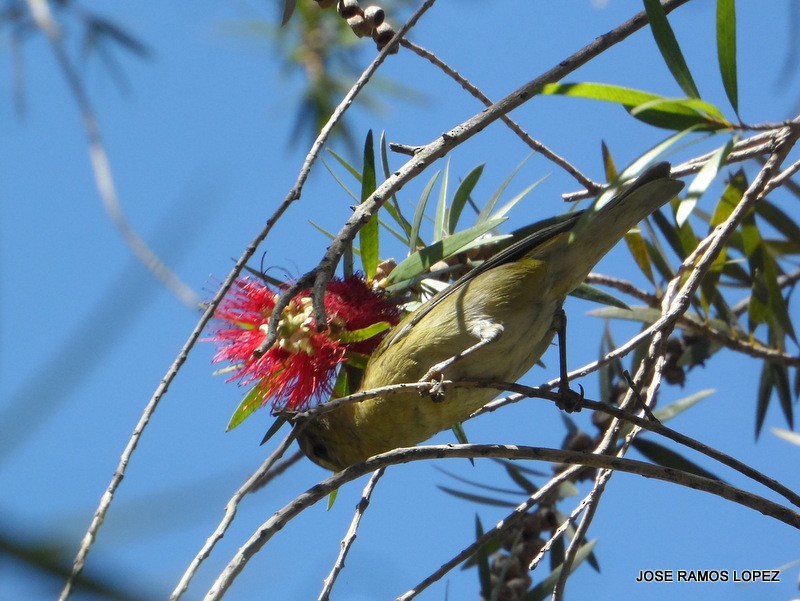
(301, 364)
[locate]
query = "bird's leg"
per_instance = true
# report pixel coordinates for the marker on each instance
(568, 400)
(486, 332)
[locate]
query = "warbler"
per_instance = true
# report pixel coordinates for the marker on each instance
(493, 323)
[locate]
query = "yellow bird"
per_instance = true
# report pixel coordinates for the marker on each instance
(493, 323)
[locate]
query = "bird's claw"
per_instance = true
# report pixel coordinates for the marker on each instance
(436, 379)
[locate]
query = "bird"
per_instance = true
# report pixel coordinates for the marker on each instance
(494, 323)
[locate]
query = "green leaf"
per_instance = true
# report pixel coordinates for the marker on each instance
(252, 401)
(440, 220)
(364, 333)
(708, 172)
(420, 261)
(678, 114)
(726, 50)
(609, 168)
(462, 195)
(663, 456)
(638, 250)
(368, 235)
(392, 206)
(731, 196)
(595, 295)
(512, 203)
(673, 409)
(414, 238)
(486, 211)
(344, 163)
(668, 45)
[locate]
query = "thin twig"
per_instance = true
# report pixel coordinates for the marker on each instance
(549, 488)
(279, 519)
(350, 537)
(535, 145)
(101, 165)
(256, 480)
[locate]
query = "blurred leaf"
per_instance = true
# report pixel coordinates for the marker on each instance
(665, 414)
(515, 474)
(414, 239)
(544, 589)
(668, 45)
(778, 219)
(368, 235)
(481, 560)
(726, 49)
(421, 261)
(774, 378)
(462, 195)
(665, 457)
(288, 11)
(707, 174)
(787, 435)
(767, 304)
(98, 29)
(252, 401)
(483, 500)
(659, 111)
(595, 295)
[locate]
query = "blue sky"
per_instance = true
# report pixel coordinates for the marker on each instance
(200, 150)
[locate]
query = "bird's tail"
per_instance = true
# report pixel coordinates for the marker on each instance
(597, 231)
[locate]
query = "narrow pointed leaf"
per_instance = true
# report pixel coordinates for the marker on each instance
(595, 295)
(392, 206)
(440, 219)
(252, 401)
(638, 250)
(277, 424)
(665, 457)
(726, 49)
(668, 45)
(288, 11)
(419, 262)
(609, 168)
(414, 238)
(702, 181)
(368, 235)
(486, 211)
(481, 559)
(462, 195)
